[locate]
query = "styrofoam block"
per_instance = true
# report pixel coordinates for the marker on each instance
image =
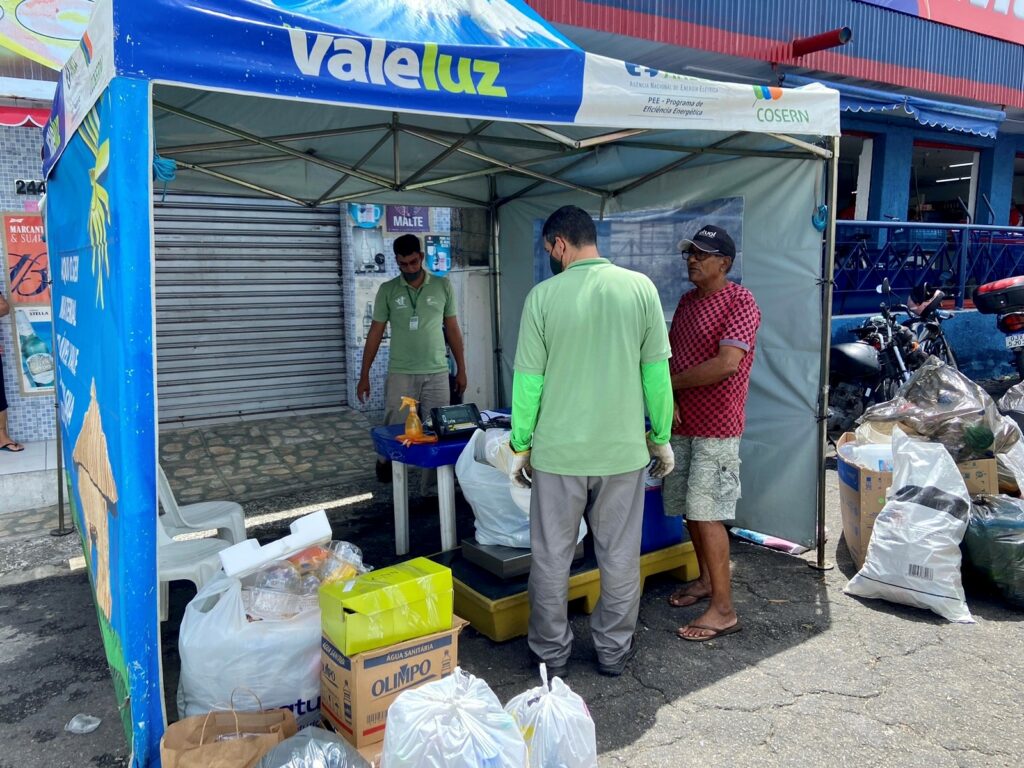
(248, 556)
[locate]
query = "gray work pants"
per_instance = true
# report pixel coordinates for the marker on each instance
(615, 508)
(430, 390)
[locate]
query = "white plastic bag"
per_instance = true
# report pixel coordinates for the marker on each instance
(221, 650)
(555, 724)
(454, 722)
(502, 512)
(913, 556)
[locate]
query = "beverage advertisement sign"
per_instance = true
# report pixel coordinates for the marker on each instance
(33, 340)
(27, 264)
(408, 218)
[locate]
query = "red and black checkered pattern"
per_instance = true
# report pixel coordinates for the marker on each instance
(729, 316)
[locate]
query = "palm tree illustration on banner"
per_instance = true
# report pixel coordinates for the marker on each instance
(99, 202)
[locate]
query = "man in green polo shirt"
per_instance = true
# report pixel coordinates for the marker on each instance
(593, 350)
(418, 306)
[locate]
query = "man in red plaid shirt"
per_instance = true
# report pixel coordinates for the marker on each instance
(712, 338)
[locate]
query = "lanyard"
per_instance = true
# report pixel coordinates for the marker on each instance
(411, 299)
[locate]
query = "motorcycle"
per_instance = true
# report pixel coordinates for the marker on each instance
(1005, 300)
(886, 353)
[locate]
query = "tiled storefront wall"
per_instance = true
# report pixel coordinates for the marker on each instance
(29, 418)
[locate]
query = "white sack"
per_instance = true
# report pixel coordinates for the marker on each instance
(454, 722)
(221, 651)
(556, 725)
(502, 513)
(913, 556)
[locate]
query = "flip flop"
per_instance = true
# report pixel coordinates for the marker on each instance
(689, 600)
(715, 632)
(12, 447)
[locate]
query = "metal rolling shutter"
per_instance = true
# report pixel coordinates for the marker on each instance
(248, 307)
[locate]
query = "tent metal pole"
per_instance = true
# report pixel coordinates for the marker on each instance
(183, 149)
(608, 138)
(484, 138)
(241, 183)
(346, 176)
(667, 168)
(495, 262)
(826, 334)
(395, 150)
(491, 171)
(447, 153)
(334, 166)
(501, 164)
(551, 133)
(814, 150)
(529, 188)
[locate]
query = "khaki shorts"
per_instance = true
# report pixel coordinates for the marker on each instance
(706, 481)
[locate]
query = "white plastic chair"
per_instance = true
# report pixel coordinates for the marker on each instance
(194, 560)
(225, 516)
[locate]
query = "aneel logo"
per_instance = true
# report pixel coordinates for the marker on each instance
(638, 70)
(352, 60)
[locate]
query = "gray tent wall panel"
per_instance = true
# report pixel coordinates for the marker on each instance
(781, 266)
(248, 307)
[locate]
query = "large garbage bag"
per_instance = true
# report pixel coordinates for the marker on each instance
(913, 556)
(454, 722)
(942, 405)
(501, 511)
(994, 544)
(556, 725)
(313, 748)
(221, 650)
(1013, 400)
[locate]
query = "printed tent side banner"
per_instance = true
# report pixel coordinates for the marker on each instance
(434, 70)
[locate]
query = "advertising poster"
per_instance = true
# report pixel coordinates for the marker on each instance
(408, 218)
(438, 251)
(647, 242)
(34, 343)
(28, 269)
(104, 295)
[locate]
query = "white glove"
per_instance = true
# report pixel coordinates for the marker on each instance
(664, 459)
(520, 470)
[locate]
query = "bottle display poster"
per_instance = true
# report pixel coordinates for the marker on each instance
(26, 261)
(365, 215)
(438, 254)
(33, 340)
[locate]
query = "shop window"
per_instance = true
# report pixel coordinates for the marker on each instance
(854, 181)
(943, 184)
(1017, 199)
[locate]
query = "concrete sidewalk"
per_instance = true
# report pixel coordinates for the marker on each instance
(815, 677)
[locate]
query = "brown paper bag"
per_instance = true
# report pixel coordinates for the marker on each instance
(225, 739)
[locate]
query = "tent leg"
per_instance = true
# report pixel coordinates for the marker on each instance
(495, 261)
(826, 334)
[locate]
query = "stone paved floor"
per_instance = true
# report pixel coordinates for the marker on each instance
(307, 457)
(247, 460)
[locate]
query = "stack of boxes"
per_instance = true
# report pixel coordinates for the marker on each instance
(383, 633)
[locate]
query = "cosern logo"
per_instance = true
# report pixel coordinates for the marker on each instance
(351, 60)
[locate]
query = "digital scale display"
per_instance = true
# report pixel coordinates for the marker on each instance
(454, 420)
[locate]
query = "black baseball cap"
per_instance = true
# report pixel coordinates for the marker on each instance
(710, 239)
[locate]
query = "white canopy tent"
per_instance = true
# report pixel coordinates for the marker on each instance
(250, 96)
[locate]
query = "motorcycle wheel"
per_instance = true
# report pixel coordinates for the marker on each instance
(939, 347)
(845, 405)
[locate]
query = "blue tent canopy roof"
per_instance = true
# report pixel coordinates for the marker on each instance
(936, 114)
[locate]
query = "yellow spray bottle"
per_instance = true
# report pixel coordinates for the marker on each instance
(413, 425)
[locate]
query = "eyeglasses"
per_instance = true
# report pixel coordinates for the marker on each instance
(698, 254)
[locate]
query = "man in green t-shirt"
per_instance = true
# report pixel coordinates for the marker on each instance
(593, 350)
(421, 310)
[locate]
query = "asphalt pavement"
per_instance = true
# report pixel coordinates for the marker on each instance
(815, 678)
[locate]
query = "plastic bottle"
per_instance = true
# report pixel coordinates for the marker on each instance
(413, 425)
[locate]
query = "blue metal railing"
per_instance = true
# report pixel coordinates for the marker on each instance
(956, 257)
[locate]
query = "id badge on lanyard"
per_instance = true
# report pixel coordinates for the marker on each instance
(414, 323)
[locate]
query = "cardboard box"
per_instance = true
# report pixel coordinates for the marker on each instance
(372, 754)
(862, 495)
(356, 691)
(387, 606)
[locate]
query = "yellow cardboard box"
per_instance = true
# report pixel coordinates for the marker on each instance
(384, 607)
(356, 691)
(862, 495)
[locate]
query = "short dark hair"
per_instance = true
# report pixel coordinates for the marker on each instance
(572, 224)
(407, 245)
